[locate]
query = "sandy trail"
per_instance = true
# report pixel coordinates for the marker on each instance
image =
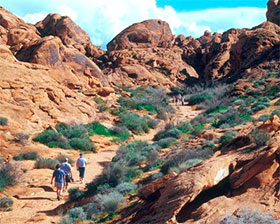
(35, 196)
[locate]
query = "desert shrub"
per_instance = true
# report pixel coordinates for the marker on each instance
(3, 121)
(52, 139)
(260, 106)
(91, 209)
(275, 112)
(134, 122)
(272, 90)
(185, 165)
(172, 132)
(161, 114)
(27, 156)
(197, 129)
(125, 188)
(260, 138)
(247, 216)
(6, 202)
(149, 99)
(8, 175)
(132, 173)
(199, 119)
(263, 118)
(20, 138)
(75, 131)
(117, 111)
(166, 142)
(277, 103)
(42, 163)
(102, 108)
(153, 156)
(82, 143)
(199, 98)
(111, 202)
(227, 137)
(75, 193)
(185, 127)
(77, 214)
(239, 102)
(184, 156)
(61, 158)
(152, 123)
(232, 118)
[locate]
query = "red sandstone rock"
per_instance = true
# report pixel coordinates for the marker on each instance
(273, 11)
(147, 34)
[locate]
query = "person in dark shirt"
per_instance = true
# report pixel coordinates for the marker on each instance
(59, 176)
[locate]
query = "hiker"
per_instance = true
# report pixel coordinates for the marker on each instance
(59, 176)
(81, 166)
(183, 100)
(66, 167)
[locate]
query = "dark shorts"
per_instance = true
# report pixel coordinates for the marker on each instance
(82, 171)
(68, 179)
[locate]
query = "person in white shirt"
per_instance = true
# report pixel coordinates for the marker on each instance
(81, 166)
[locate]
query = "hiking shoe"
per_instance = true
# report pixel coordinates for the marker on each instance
(58, 197)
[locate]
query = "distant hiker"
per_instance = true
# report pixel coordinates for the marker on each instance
(59, 176)
(81, 166)
(183, 100)
(66, 167)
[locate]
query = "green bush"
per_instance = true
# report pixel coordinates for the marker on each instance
(166, 142)
(8, 175)
(275, 112)
(185, 165)
(20, 138)
(263, 118)
(84, 144)
(181, 159)
(277, 103)
(172, 132)
(75, 193)
(197, 129)
(227, 137)
(261, 138)
(52, 139)
(259, 106)
(111, 202)
(42, 163)
(152, 123)
(126, 188)
(5, 203)
(134, 122)
(3, 121)
(27, 156)
(197, 99)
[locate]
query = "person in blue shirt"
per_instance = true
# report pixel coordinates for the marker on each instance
(59, 177)
(81, 166)
(66, 167)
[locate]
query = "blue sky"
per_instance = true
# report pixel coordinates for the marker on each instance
(103, 19)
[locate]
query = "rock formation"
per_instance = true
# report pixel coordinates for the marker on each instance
(147, 34)
(273, 11)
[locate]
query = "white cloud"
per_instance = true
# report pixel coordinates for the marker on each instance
(35, 17)
(105, 19)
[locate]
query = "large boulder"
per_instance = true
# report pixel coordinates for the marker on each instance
(273, 11)
(147, 34)
(69, 32)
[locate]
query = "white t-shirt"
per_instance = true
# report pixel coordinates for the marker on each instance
(81, 162)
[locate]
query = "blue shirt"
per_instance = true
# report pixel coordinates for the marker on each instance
(66, 167)
(59, 176)
(81, 162)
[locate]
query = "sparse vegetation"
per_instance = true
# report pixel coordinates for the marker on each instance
(247, 216)
(61, 158)
(3, 121)
(27, 156)
(260, 138)
(227, 137)
(5, 203)
(8, 175)
(43, 163)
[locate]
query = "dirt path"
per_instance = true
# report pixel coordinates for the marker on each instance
(35, 196)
